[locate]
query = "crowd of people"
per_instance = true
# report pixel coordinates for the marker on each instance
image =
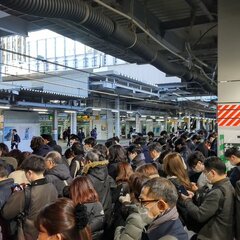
(168, 187)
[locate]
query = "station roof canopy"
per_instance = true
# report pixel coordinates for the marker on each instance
(179, 37)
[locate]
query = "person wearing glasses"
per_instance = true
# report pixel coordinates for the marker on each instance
(159, 197)
(138, 218)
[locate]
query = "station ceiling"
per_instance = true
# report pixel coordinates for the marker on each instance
(178, 37)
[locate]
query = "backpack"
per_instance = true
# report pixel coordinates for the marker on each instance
(188, 220)
(13, 229)
(18, 139)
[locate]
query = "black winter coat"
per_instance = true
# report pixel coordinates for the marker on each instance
(104, 185)
(139, 160)
(43, 150)
(112, 169)
(96, 219)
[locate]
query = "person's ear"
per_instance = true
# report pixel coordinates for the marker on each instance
(162, 205)
(213, 172)
(58, 236)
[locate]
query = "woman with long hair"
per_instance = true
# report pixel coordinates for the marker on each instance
(82, 192)
(148, 170)
(176, 171)
(116, 154)
(64, 221)
(124, 171)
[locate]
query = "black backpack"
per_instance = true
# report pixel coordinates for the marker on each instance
(14, 228)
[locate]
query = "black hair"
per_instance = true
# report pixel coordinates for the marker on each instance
(48, 137)
(34, 163)
(215, 163)
(90, 141)
(134, 149)
(77, 148)
(150, 134)
(3, 171)
(232, 151)
(194, 157)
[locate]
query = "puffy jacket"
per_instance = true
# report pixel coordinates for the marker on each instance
(59, 176)
(96, 219)
(102, 182)
(134, 226)
(39, 199)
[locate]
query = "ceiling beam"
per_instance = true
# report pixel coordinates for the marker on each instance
(13, 25)
(182, 23)
(150, 22)
(198, 4)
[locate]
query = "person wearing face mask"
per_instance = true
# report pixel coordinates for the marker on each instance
(233, 156)
(159, 197)
(196, 164)
(216, 212)
(89, 143)
(135, 156)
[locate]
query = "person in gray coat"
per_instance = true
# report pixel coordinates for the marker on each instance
(57, 172)
(216, 212)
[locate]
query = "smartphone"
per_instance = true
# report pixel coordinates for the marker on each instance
(182, 190)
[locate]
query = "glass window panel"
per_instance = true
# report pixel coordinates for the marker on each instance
(51, 48)
(60, 47)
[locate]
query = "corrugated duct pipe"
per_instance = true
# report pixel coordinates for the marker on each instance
(82, 14)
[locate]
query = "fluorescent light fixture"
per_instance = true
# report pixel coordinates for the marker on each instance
(149, 120)
(96, 109)
(160, 120)
(115, 111)
(143, 116)
(43, 112)
(130, 112)
(162, 117)
(40, 109)
(4, 107)
(69, 111)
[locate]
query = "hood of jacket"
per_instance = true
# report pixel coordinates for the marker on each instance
(60, 170)
(97, 169)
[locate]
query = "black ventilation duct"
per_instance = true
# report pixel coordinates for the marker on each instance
(82, 14)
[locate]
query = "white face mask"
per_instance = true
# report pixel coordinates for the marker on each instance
(207, 178)
(131, 156)
(143, 211)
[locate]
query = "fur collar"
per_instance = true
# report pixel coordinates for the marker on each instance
(93, 165)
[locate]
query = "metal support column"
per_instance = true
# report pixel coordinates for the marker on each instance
(55, 125)
(138, 123)
(117, 118)
(74, 123)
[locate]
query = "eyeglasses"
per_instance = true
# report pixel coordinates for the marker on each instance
(146, 202)
(206, 172)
